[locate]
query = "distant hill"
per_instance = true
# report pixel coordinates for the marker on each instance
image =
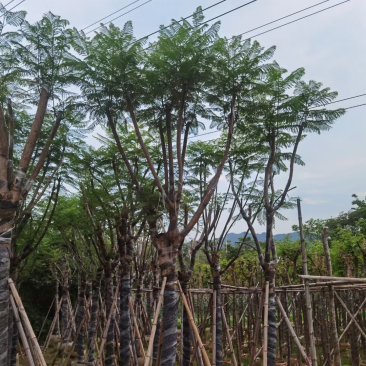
(261, 237)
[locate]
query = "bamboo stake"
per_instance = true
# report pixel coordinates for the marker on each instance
(265, 326)
(105, 332)
(45, 346)
(214, 328)
(23, 337)
(332, 278)
(293, 334)
(27, 324)
(350, 323)
(256, 330)
(229, 338)
(136, 327)
(194, 327)
(155, 321)
(44, 321)
(332, 311)
(350, 315)
(307, 289)
(199, 353)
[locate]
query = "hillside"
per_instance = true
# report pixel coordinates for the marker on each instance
(262, 237)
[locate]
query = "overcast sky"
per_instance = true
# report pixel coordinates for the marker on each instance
(331, 46)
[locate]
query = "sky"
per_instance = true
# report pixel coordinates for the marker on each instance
(330, 46)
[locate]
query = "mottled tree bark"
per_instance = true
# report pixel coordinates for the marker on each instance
(186, 330)
(110, 354)
(272, 327)
(79, 318)
(125, 321)
(92, 332)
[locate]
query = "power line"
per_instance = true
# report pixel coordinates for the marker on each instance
(7, 11)
(120, 16)
(189, 16)
(355, 106)
(136, 1)
(218, 16)
(341, 100)
(9, 3)
(296, 20)
(284, 17)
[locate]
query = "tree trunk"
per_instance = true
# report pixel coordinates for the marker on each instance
(272, 309)
(217, 287)
(110, 354)
(170, 318)
(186, 334)
(80, 317)
(125, 321)
(5, 239)
(93, 320)
(65, 310)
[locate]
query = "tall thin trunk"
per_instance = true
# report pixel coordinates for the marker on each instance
(332, 311)
(110, 354)
(92, 332)
(79, 318)
(217, 287)
(186, 330)
(272, 326)
(170, 318)
(65, 309)
(125, 320)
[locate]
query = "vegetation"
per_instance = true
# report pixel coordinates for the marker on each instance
(95, 225)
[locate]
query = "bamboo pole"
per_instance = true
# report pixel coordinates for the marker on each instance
(293, 334)
(256, 330)
(351, 321)
(136, 327)
(23, 337)
(232, 351)
(199, 353)
(27, 324)
(265, 326)
(194, 327)
(45, 346)
(332, 311)
(155, 321)
(350, 315)
(332, 278)
(214, 301)
(44, 321)
(307, 289)
(105, 332)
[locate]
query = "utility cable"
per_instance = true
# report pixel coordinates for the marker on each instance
(120, 16)
(296, 20)
(136, 1)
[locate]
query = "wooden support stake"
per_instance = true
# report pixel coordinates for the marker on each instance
(194, 327)
(332, 311)
(155, 322)
(105, 332)
(293, 334)
(27, 324)
(136, 327)
(265, 326)
(23, 337)
(48, 338)
(232, 351)
(350, 315)
(309, 312)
